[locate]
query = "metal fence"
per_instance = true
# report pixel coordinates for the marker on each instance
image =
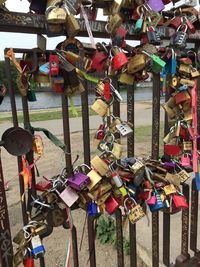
(189, 225)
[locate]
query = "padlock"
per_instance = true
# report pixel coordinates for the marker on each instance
(119, 37)
(178, 40)
(101, 200)
(185, 160)
(57, 216)
(190, 25)
(171, 150)
(194, 73)
(153, 36)
(58, 83)
(111, 205)
(126, 78)
(119, 58)
(156, 5)
(137, 167)
(71, 23)
(183, 175)
(99, 165)
(116, 178)
(124, 129)
(78, 180)
(158, 205)
(100, 107)
(136, 63)
(56, 15)
(98, 61)
(158, 63)
(187, 82)
(31, 96)
(22, 84)
(184, 69)
(113, 24)
(139, 23)
(151, 200)
(53, 65)
(187, 145)
(181, 97)
(180, 201)
(92, 209)
(95, 178)
(106, 144)
(37, 248)
(116, 150)
(103, 188)
(68, 196)
(135, 212)
(169, 189)
(28, 262)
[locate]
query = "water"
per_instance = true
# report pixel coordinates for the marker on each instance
(53, 100)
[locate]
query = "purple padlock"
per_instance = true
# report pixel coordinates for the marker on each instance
(78, 181)
(169, 165)
(156, 5)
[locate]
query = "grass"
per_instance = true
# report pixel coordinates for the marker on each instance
(44, 115)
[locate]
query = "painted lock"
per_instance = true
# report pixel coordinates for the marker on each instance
(156, 5)
(185, 160)
(111, 204)
(69, 196)
(119, 58)
(158, 205)
(98, 61)
(53, 65)
(180, 201)
(78, 181)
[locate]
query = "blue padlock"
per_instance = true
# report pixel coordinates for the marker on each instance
(159, 205)
(92, 209)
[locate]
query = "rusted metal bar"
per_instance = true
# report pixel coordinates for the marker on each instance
(194, 217)
(86, 126)
(66, 132)
(6, 248)
(75, 247)
(119, 232)
(155, 155)
(131, 153)
(91, 241)
(15, 123)
(166, 216)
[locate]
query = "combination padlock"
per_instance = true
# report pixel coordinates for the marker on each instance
(178, 40)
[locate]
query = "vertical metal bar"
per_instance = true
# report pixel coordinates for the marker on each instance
(75, 247)
(15, 123)
(85, 123)
(194, 217)
(119, 232)
(131, 153)
(185, 224)
(166, 216)
(68, 159)
(91, 241)
(155, 154)
(6, 248)
(66, 132)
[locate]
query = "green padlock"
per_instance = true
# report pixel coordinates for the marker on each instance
(158, 63)
(31, 96)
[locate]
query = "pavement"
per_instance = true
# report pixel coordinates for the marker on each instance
(143, 117)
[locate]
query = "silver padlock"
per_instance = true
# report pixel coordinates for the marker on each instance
(124, 128)
(179, 38)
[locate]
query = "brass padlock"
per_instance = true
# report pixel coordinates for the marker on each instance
(117, 150)
(187, 145)
(137, 167)
(169, 189)
(136, 63)
(99, 165)
(194, 73)
(184, 69)
(101, 200)
(22, 84)
(102, 189)
(113, 24)
(56, 15)
(136, 212)
(183, 175)
(100, 107)
(72, 26)
(126, 78)
(95, 178)
(187, 82)
(116, 6)
(173, 178)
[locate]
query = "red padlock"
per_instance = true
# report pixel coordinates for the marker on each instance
(171, 150)
(119, 58)
(29, 262)
(43, 185)
(181, 97)
(54, 65)
(111, 204)
(98, 61)
(180, 201)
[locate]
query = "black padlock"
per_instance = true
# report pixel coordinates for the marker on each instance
(179, 38)
(153, 36)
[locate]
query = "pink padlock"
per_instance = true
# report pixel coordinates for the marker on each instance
(185, 160)
(152, 200)
(156, 5)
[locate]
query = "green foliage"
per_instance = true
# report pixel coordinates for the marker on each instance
(14, 74)
(106, 233)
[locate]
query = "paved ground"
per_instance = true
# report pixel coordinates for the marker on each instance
(52, 162)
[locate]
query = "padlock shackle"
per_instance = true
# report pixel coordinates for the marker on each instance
(125, 203)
